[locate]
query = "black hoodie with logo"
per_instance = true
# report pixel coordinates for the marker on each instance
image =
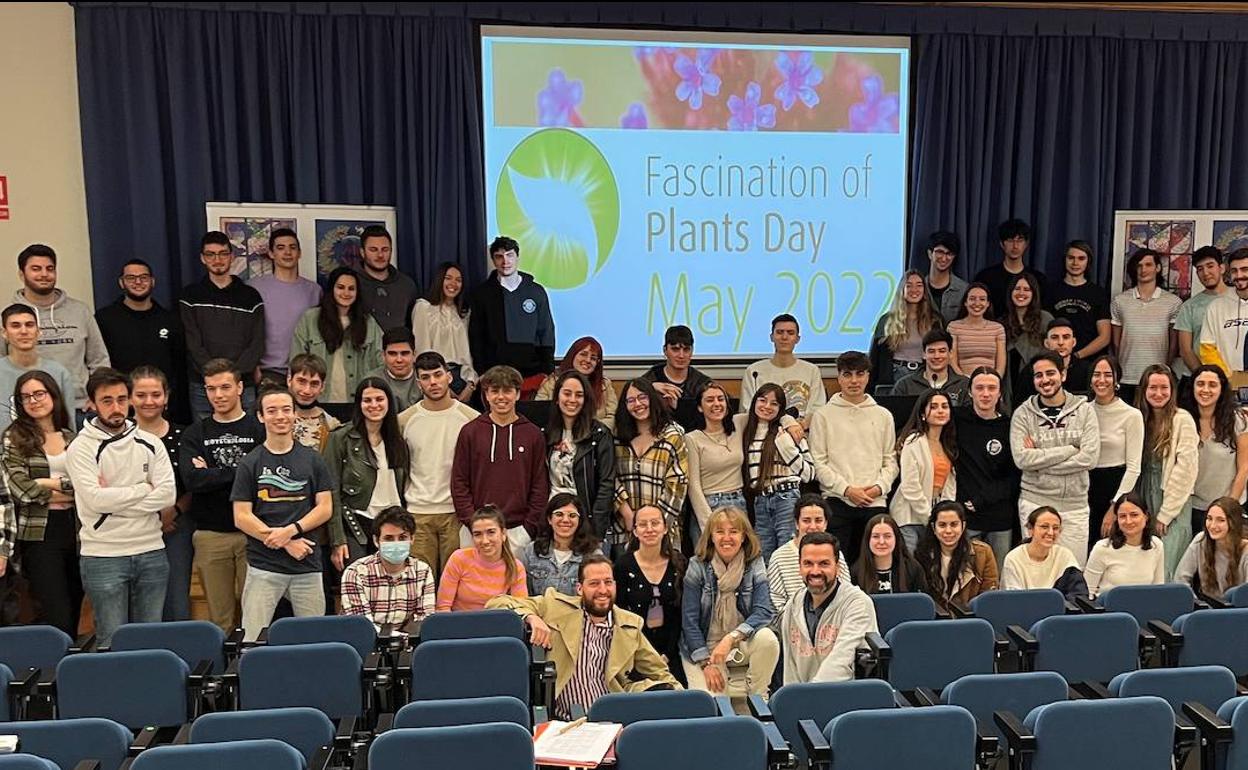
(988, 480)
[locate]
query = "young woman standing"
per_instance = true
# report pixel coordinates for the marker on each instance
(342, 333)
(580, 453)
(1171, 452)
(774, 467)
(977, 339)
(1223, 431)
(651, 462)
(1122, 447)
(440, 324)
(928, 448)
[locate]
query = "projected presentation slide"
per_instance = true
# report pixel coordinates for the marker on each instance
(711, 180)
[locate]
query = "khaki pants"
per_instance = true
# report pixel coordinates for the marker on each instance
(436, 538)
(221, 558)
(762, 652)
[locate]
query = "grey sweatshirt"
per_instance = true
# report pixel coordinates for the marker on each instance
(69, 336)
(1055, 470)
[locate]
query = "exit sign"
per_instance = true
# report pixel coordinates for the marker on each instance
(4, 197)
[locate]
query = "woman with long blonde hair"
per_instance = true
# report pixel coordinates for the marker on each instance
(1171, 451)
(897, 344)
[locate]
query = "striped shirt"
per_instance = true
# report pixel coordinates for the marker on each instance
(589, 680)
(659, 477)
(468, 582)
(1145, 329)
(792, 462)
(977, 345)
(367, 589)
(784, 576)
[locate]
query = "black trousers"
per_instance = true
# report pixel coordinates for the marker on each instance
(847, 525)
(51, 567)
(1102, 484)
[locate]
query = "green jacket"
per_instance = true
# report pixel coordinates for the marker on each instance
(358, 362)
(632, 663)
(30, 500)
(354, 474)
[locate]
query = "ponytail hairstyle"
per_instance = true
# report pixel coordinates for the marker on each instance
(491, 513)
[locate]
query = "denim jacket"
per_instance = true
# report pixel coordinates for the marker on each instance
(544, 572)
(701, 587)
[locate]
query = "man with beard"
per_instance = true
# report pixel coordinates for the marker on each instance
(388, 294)
(947, 289)
(122, 480)
(68, 334)
(138, 331)
(597, 647)
(1056, 441)
(827, 620)
(1226, 321)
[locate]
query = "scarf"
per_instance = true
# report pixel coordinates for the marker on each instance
(724, 615)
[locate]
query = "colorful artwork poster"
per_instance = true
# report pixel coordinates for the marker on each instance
(1230, 234)
(338, 244)
(1172, 239)
(250, 240)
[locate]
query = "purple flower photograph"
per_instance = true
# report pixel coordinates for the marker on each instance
(800, 76)
(747, 114)
(696, 78)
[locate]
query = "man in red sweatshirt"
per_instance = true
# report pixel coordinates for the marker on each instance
(500, 459)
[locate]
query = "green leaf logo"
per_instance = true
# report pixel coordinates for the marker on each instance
(557, 196)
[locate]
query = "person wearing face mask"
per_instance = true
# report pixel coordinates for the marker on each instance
(827, 620)
(1056, 441)
(596, 646)
(987, 476)
(936, 372)
(1040, 562)
(947, 289)
(927, 448)
(1217, 560)
(957, 568)
(1131, 554)
(585, 356)
(581, 453)
(389, 586)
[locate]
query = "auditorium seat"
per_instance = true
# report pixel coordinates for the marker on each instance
(712, 743)
(1092, 735)
(137, 688)
(67, 742)
(933, 653)
(1200, 639)
(821, 702)
(935, 738)
(464, 711)
(1224, 734)
(497, 746)
(307, 730)
(628, 707)
(1082, 648)
(891, 609)
(264, 754)
(195, 641)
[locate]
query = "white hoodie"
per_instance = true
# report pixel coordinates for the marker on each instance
(852, 446)
(121, 483)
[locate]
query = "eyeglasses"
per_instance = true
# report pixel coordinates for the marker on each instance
(218, 254)
(31, 398)
(632, 400)
(941, 252)
(136, 278)
(565, 515)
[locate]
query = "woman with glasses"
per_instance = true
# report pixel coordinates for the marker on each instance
(46, 523)
(553, 559)
(649, 581)
(651, 461)
(1040, 562)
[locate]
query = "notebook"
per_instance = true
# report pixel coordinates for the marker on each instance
(585, 745)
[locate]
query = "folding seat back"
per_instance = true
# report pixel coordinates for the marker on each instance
(1238, 596)
(1205, 639)
(464, 711)
(934, 738)
(1085, 648)
(66, 742)
(1163, 602)
(712, 743)
(823, 702)
(265, 754)
(470, 668)
(23, 647)
(193, 641)
(1208, 685)
(475, 624)
(307, 730)
(1235, 756)
(497, 746)
(1120, 732)
(327, 676)
(983, 694)
(138, 688)
(892, 609)
(1018, 608)
(933, 653)
(25, 762)
(355, 630)
(628, 707)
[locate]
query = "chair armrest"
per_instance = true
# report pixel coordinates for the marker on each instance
(814, 741)
(1072, 608)
(84, 643)
(1073, 694)
(1148, 643)
(760, 709)
(943, 614)
(403, 666)
(230, 677)
(577, 711)
(234, 643)
(723, 704)
(1217, 604)
(986, 741)
(1022, 639)
(540, 715)
(143, 739)
(183, 737)
(1088, 606)
(1000, 644)
(1201, 603)
(880, 655)
(24, 682)
(959, 611)
(901, 701)
(1166, 633)
(926, 696)
(47, 682)
(88, 764)
(199, 674)
(777, 747)
(322, 759)
(385, 721)
(1019, 739)
(373, 667)
(538, 655)
(344, 732)
(1211, 726)
(1093, 690)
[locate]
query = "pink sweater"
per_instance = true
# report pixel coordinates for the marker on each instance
(468, 582)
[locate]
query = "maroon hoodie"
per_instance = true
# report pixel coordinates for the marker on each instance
(504, 466)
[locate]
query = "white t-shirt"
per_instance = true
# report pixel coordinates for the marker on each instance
(802, 383)
(1130, 565)
(431, 438)
(1020, 571)
(386, 490)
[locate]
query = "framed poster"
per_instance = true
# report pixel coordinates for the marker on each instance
(329, 235)
(1174, 235)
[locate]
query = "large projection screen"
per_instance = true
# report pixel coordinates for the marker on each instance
(713, 180)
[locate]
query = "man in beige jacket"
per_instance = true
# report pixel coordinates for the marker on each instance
(596, 647)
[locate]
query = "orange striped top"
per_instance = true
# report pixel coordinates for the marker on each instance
(468, 582)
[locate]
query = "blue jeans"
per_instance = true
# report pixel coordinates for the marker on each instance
(200, 406)
(180, 552)
(125, 589)
(999, 542)
(773, 519)
(911, 534)
(715, 501)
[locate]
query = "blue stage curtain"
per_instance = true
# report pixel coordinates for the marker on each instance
(1055, 116)
(181, 106)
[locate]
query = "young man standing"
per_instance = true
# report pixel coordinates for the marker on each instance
(987, 476)
(68, 333)
(1222, 335)
(853, 443)
(398, 353)
(801, 380)
(223, 318)
(122, 481)
(1014, 236)
(21, 335)
(1056, 441)
(500, 459)
(306, 381)
(210, 452)
(390, 586)
(1083, 303)
(431, 430)
(510, 323)
(386, 293)
(946, 288)
(675, 379)
(1143, 319)
(936, 372)
(139, 331)
(1187, 326)
(1060, 338)
(286, 296)
(827, 620)
(282, 491)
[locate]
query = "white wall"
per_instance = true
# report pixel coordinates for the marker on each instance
(41, 144)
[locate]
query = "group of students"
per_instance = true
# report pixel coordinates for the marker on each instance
(419, 503)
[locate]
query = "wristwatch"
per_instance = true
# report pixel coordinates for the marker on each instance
(736, 635)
